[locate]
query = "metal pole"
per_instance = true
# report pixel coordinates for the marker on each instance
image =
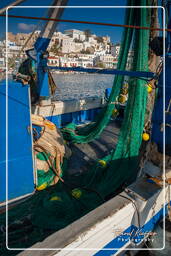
(17, 2)
(169, 23)
(41, 46)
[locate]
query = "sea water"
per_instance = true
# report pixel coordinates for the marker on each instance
(82, 85)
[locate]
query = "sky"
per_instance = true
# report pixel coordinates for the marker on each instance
(108, 15)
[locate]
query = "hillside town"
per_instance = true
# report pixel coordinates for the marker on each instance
(72, 48)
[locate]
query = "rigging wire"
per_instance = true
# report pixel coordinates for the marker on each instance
(87, 22)
(27, 41)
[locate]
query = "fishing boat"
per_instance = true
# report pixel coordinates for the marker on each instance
(75, 180)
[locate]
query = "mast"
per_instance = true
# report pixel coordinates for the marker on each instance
(17, 2)
(41, 46)
(169, 24)
(50, 26)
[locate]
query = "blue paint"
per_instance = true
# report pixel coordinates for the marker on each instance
(42, 76)
(37, 131)
(169, 23)
(107, 71)
(20, 162)
(41, 44)
(55, 119)
(136, 235)
(79, 117)
(108, 92)
(157, 118)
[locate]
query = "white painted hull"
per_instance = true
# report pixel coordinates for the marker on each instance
(102, 227)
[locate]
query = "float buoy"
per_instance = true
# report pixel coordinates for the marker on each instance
(145, 136)
(103, 163)
(41, 187)
(122, 99)
(149, 88)
(77, 193)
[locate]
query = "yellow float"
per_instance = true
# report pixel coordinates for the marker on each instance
(149, 88)
(103, 163)
(77, 193)
(145, 136)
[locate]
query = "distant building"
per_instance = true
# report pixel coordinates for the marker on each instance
(53, 61)
(106, 39)
(75, 34)
(92, 40)
(115, 50)
(115, 62)
(70, 61)
(20, 39)
(68, 45)
(130, 59)
(85, 63)
(86, 45)
(78, 47)
(85, 56)
(100, 52)
(13, 50)
(71, 48)
(2, 63)
(105, 60)
(57, 39)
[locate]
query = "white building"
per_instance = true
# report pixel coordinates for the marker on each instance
(65, 61)
(100, 52)
(75, 41)
(75, 34)
(86, 45)
(53, 61)
(1, 43)
(106, 39)
(107, 60)
(85, 63)
(92, 40)
(115, 50)
(108, 48)
(2, 63)
(68, 45)
(57, 39)
(13, 50)
(85, 56)
(115, 62)
(78, 47)
(76, 62)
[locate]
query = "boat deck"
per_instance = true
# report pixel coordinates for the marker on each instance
(84, 155)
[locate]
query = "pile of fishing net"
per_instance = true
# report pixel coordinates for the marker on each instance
(59, 205)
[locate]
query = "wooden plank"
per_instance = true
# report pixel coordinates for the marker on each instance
(61, 107)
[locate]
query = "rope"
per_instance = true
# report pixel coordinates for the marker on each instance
(28, 39)
(88, 22)
(49, 160)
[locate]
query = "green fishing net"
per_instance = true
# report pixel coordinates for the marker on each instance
(59, 205)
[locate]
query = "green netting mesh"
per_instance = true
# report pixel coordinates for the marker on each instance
(92, 131)
(56, 207)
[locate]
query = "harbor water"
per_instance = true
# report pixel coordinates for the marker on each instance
(78, 86)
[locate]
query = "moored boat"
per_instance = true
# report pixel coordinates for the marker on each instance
(111, 192)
